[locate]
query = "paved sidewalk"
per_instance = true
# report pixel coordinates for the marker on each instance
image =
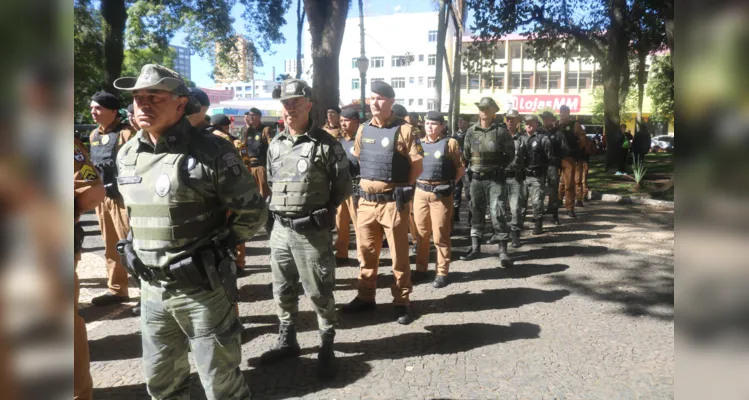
(587, 313)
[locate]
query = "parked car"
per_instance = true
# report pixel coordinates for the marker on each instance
(662, 143)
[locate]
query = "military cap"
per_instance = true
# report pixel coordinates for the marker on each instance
(158, 77)
(487, 102)
(200, 95)
(434, 116)
(130, 108)
(292, 88)
(335, 108)
(464, 117)
(383, 89)
(512, 114)
(399, 110)
(414, 117)
(531, 118)
(253, 110)
(106, 100)
(350, 113)
(547, 114)
(220, 120)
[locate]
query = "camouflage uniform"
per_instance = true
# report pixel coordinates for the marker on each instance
(178, 192)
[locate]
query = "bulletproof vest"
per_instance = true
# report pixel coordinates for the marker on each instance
(300, 179)
(460, 138)
(379, 157)
(536, 154)
(353, 162)
(104, 154)
(556, 144)
(255, 146)
(519, 141)
(568, 130)
(437, 165)
(165, 211)
(484, 152)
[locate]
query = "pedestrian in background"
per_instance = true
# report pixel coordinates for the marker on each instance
(515, 180)
(347, 210)
(333, 121)
(558, 145)
(540, 153)
(575, 140)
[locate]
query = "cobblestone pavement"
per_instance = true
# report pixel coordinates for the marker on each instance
(587, 313)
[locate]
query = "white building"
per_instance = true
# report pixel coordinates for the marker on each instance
(290, 66)
(259, 88)
(402, 50)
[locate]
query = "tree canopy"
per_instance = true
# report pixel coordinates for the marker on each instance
(661, 88)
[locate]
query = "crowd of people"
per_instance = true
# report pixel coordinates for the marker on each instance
(177, 196)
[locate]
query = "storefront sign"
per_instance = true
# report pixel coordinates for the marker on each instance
(531, 103)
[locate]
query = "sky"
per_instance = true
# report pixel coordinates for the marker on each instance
(201, 69)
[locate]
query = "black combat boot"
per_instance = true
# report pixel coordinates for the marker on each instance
(475, 250)
(327, 367)
(538, 229)
(504, 258)
(404, 314)
(515, 235)
(136, 310)
(440, 281)
(571, 214)
(358, 305)
(579, 203)
(419, 276)
(286, 347)
(555, 217)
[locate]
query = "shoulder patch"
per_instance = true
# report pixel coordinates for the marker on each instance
(88, 173)
(340, 154)
(232, 163)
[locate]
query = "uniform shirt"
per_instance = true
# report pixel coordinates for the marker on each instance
(408, 145)
(87, 187)
(126, 132)
(333, 131)
(329, 151)
(453, 153)
(505, 145)
(266, 136)
(518, 163)
(532, 143)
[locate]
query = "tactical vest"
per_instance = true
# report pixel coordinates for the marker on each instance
(568, 130)
(255, 146)
(437, 165)
(556, 145)
(300, 179)
(165, 211)
(104, 155)
(484, 152)
(353, 162)
(536, 153)
(379, 156)
(519, 151)
(460, 137)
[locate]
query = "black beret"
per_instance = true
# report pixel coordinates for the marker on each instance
(220, 120)
(201, 97)
(414, 117)
(335, 108)
(350, 113)
(399, 110)
(130, 108)
(383, 89)
(465, 117)
(106, 100)
(255, 111)
(434, 116)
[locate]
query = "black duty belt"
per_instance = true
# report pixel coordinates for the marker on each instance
(255, 163)
(483, 176)
(377, 197)
(535, 172)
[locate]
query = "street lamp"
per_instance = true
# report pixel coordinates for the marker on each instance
(362, 63)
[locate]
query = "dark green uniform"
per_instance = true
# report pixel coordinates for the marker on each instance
(515, 182)
(540, 154)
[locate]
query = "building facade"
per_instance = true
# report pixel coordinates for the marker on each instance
(290, 66)
(243, 57)
(259, 88)
(182, 61)
(216, 96)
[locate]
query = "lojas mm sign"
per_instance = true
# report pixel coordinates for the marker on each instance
(532, 102)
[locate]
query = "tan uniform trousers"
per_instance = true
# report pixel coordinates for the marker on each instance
(376, 219)
(433, 216)
(581, 179)
(83, 385)
(114, 227)
(567, 183)
(261, 179)
(412, 225)
(346, 214)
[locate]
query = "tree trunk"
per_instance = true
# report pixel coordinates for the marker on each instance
(441, 33)
(114, 14)
(299, 26)
(455, 98)
(616, 58)
(641, 79)
(327, 21)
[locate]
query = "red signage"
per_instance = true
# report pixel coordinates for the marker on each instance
(531, 103)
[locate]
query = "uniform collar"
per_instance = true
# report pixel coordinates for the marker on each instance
(174, 140)
(111, 128)
(389, 123)
(494, 125)
(309, 134)
(438, 139)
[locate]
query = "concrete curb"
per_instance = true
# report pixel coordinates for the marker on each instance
(626, 199)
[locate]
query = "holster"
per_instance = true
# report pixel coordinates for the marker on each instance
(402, 196)
(324, 218)
(78, 235)
(130, 260)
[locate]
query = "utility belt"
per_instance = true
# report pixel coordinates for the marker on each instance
(443, 190)
(317, 221)
(498, 174)
(514, 174)
(209, 267)
(536, 172)
(255, 162)
(400, 195)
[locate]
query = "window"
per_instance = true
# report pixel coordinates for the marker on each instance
(410, 102)
(499, 51)
(527, 52)
(498, 80)
(248, 88)
(555, 79)
(463, 82)
(411, 80)
(515, 80)
(421, 102)
(421, 80)
(355, 83)
(421, 58)
(430, 82)
(527, 78)
(597, 78)
(571, 80)
(473, 82)
(486, 82)
(432, 36)
(586, 81)
(399, 61)
(515, 50)
(400, 101)
(238, 88)
(376, 62)
(353, 62)
(432, 60)
(542, 79)
(398, 83)
(430, 105)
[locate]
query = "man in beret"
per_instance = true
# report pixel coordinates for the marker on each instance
(539, 153)
(464, 122)
(179, 185)
(309, 172)
(433, 201)
(559, 150)
(489, 149)
(575, 139)
(515, 179)
(347, 210)
(106, 140)
(390, 157)
(257, 138)
(333, 121)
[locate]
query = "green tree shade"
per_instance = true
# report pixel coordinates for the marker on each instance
(626, 111)
(661, 88)
(88, 51)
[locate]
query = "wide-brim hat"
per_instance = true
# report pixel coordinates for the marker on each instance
(159, 77)
(487, 102)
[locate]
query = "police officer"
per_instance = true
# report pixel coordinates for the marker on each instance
(257, 137)
(559, 146)
(413, 120)
(489, 149)
(515, 179)
(401, 113)
(105, 141)
(459, 136)
(310, 175)
(178, 185)
(347, 211)
(89, 192)
(390, 156)
(575, 139)
(539, 155)
(333, 121)
(433, 200)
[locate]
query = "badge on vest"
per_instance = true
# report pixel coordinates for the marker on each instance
(129, 180)
(79, 155)
(190, 163)
(257, 137)
(368, 140)
(437, 154)
(105, 139)
(385, 142)
(492, 145)
(534, 144)
(302, 166)
(340, 154)
(163, 184)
